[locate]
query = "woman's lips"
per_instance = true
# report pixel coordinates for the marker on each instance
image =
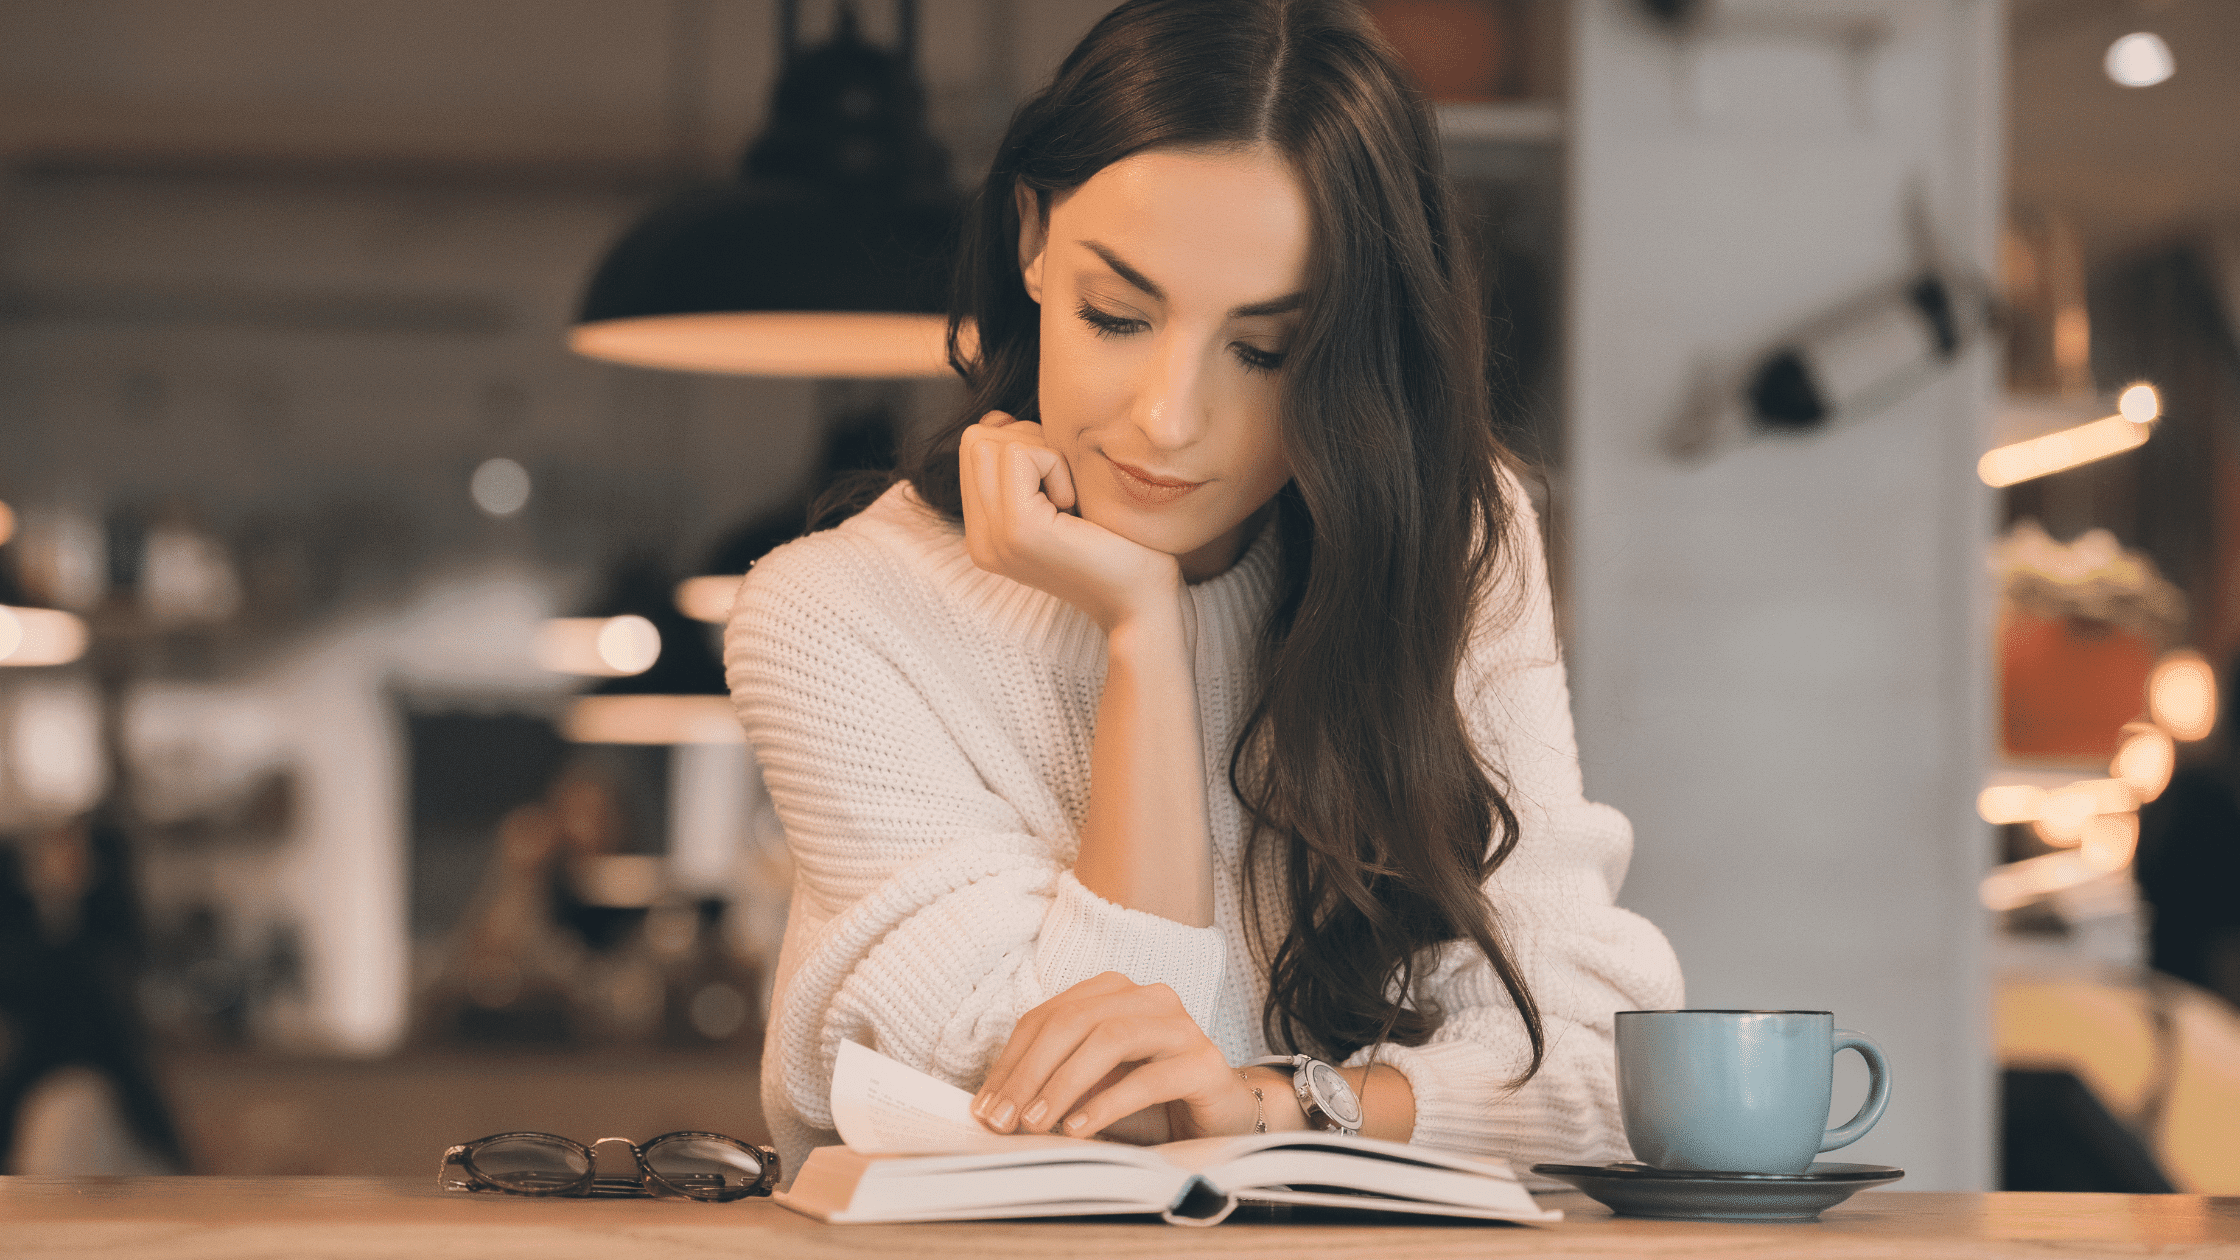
(1147, 488)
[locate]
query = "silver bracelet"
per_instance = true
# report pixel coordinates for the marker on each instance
(1259, 1115)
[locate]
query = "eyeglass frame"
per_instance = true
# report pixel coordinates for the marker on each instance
(461, 1157)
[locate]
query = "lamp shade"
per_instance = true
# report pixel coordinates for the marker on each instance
(828, 257)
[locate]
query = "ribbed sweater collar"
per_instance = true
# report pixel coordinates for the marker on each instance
(1231, 607)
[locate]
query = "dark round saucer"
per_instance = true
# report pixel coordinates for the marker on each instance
(1631, 1189)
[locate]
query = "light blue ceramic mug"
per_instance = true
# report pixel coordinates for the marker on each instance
(1738, 1091)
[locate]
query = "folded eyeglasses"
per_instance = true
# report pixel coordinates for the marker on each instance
(692, 1165)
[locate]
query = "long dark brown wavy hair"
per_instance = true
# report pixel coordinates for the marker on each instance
(1354, 763)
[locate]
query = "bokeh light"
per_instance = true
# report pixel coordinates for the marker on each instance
(2062, 822)
(2145, 760)
(2011, 803)
(40, 636)
(2109, 841)
(629, 644)
(500, 487)
(709, 598)
(2139, 404)
(2140, 59)
(2182, 695)
(598, 647)
(653, 720)
(2018, 462)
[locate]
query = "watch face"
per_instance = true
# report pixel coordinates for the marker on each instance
(1333, 1095)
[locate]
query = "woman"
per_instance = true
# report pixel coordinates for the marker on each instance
(1197, 696)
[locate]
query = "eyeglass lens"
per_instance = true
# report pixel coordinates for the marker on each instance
(704, 1166)
(531, 1164)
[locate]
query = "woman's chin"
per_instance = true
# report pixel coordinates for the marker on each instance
(1160, 531)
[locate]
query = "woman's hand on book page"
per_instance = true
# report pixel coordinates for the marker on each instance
(1086, 1061)
(1017, 494)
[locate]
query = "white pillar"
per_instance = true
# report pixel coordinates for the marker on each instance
(1780, 656)
(347, 867)
(710, 803)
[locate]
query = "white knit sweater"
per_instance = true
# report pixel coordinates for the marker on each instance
(925, 729)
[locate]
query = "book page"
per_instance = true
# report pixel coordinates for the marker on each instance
(882, 1107)
(1200, 1154)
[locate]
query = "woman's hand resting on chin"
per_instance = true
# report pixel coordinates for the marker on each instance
(1018, 494)
(1113, 1057)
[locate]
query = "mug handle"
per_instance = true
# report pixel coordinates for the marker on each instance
(1878, 1090)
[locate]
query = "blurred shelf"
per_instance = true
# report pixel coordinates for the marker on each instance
(255, 1115)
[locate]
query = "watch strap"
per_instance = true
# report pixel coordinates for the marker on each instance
(1317, 1118)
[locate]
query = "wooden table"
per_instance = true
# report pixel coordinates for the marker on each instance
(330, 1218)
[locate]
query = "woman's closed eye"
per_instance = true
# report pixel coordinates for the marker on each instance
(1255, 359)
(1106, 324)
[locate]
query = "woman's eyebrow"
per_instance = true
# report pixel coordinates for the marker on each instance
(1273, 306)
(1126, 272)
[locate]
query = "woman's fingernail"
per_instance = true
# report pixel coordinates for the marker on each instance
(1004, 1112)
(979, 1105)
(1034, 1113)
(1075, 1123)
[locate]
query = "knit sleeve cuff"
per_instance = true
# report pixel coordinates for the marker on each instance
(1466, 1099)
(1084, 935)
(1455, 1084)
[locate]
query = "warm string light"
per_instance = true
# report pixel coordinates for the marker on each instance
(2062, 810)
(2017, 884)
(7, 523)
(2017, 462)
(2093, 824)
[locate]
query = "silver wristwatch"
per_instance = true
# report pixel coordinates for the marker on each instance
(1329, 1103)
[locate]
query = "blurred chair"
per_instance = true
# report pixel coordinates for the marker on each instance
(2189, 862)
(2159, 1059)
(72, 1124)
(78, 1066)
(2055, 1134)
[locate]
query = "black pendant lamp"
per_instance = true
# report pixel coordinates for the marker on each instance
(828, 257)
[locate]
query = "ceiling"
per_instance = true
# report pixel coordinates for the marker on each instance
(2133, 168)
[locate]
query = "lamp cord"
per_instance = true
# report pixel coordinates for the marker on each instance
(686, 103)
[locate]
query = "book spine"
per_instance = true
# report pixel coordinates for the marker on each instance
(1199, 1202)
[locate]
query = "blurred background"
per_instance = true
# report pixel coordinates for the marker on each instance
(391, 395)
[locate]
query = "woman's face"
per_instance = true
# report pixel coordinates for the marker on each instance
(1170, 284)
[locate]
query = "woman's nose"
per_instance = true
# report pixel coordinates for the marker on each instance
(1170, 405)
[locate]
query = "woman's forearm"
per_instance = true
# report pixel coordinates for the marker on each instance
(1145, 844)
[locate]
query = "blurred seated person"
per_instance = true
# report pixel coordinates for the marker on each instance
(527, 963)
(2188, 865)
(77, 1065)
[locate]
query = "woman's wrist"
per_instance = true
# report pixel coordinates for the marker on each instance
(1152, 637)
(1279, 1103)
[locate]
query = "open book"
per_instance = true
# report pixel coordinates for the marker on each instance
(914, 1153)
